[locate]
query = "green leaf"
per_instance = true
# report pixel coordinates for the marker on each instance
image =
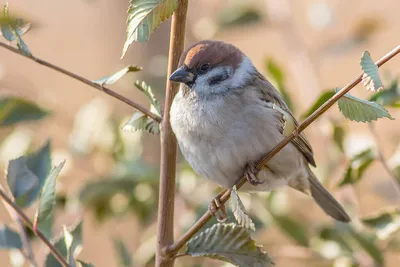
(141, 122)
(239, 211)
(357, 166)
(238, 15)
(338, 135)
(325, 96)
(116, 76)
(83, 264)
(66, 249)
(370, 78)
(14, 110)
(290, 124)
(360, 110)
(277, 75)
(22, 46)
(368, 243)
(144, 16)
(388, 97)
(335, 235)
(39, 163)
(47, 203)
(21, 180)
(68, 241)
(230, 243)
(8, 24)
(9, 239)
(146, 89)
(292, 229)
(123, 255)
(385, 223)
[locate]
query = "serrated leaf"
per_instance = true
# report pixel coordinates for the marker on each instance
(141, 122)
(123, 255)
(146, 89)
(360, 110)
(370, 78)
(9, 239)
(230, 243)
(14, 110)
(292, 228)
(144, 16)
(357, 166)
(60, 245)
(385, 223)
(239, 211)
(21, 180)
(388, 97)
(116, 76)
(277, 75)
(47, 203)
(323, 97)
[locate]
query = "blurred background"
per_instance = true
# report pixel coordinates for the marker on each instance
(111, 176)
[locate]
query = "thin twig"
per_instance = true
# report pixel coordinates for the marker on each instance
(173, 249)
(25, 241)
(26, 249)
(86, 81)
(28, 223)
(393, 176)
(166, 197)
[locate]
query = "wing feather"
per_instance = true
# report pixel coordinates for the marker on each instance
(271, 94)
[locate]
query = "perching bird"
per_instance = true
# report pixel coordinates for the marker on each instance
(225, 120)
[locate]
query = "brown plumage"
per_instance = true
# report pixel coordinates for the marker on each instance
(225, 121)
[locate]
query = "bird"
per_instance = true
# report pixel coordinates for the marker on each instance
(227, 116)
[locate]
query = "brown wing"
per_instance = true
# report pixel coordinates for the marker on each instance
(271, 94)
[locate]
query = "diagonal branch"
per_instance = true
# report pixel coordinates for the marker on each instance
(28, 223)
(86, 81)
(173, 249)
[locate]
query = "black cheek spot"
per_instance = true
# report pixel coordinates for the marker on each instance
(218, 79)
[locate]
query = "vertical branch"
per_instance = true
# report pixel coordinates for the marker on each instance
(166, 198)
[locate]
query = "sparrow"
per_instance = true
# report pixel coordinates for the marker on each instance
(227, 116)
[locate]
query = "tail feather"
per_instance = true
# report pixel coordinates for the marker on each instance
(326, 201)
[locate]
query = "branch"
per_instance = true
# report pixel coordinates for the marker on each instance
(28, 223)
(382, 159)
(173, 249)
(25, 241)
(86, 81)
(166, 198)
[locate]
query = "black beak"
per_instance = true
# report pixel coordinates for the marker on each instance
(182, 76)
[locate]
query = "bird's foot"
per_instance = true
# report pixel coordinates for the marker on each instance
(250, 174)
(215, 206)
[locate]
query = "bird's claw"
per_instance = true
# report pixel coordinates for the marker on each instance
(215, 206)
(250, 174)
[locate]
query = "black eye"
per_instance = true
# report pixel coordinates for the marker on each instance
(204, 67)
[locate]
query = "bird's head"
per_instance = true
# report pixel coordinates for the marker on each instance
(213, 67)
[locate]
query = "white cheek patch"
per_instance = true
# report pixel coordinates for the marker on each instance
(234, 80)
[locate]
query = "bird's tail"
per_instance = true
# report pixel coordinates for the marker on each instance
(326, 201)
